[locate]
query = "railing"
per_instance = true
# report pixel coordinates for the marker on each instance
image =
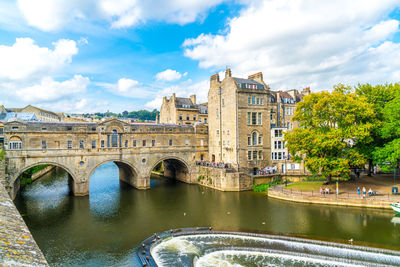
(219, 165)
(333, 195)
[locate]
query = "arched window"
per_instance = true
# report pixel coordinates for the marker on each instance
(254, 136)
(114, 138)
(15, 143)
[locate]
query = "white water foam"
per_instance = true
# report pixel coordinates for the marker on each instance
(226, 258)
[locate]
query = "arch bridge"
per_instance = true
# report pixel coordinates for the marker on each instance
(80, 148)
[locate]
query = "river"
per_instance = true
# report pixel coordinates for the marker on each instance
(105, 228)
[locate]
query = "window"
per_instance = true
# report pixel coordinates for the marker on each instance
(223, 102)
(93, 143)
(44, 144)
(44, 129)
(114, 138)
(278, 133)
(126, 143)
(14, 128)
(227, 132)
(81, 144)
(259, 140)
(217, 113)
(170, 142)
(187, 142)
(187, 117)
(253, 100)
(180, 117)
(15, 145)
(205, 120)
(144, 142)
(248, 118)
(254, 136)
(153, 142)
(69, 144)
(261, 101)
(102, 143)
(259, 118)
(249, 101)
(279, 155)
(284, 155)
(134, 143)
(254, 155)
(201, 157)
(194, 117)
(249, 155)
(217, 131)
(249, 140)
(254, 118)
(260, 154)
(202, 142)
(258, 101)
(69, 128)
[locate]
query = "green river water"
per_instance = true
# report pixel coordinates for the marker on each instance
(105, 228)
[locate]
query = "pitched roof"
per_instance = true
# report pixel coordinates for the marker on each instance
(182, 101)
(40, 109)
(21, 116)
(248, 81)
(203, 109)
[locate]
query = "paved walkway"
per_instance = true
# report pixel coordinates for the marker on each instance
(343, 199)
(17, 246)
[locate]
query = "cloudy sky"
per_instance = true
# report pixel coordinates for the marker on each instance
(98, 55)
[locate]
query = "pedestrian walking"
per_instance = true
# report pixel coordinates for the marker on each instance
(364, 191)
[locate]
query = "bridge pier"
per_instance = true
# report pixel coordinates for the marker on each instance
(80, 188)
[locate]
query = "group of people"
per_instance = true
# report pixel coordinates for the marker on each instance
(324, 190)
(364, 192)
(212, 164)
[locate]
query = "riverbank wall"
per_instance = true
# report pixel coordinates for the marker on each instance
(17, 246)
(42, 172)
(332, 199)
(223, 179)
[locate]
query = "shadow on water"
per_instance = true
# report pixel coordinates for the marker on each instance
(105, 227)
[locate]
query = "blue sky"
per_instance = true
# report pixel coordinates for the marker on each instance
(87, 56)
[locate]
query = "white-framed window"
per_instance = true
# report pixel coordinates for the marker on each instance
(14, 145)
(69, 144)
(201, 142)
(187, 142)
(249, 101)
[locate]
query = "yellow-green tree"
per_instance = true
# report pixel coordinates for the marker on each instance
(331, 124)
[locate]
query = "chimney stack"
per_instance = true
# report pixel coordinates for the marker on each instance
(228, 73)
(193, 99)
(258, 77)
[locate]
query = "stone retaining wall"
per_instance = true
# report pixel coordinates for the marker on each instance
(42, 172)
(17, 246)
(333, 199)
(221, 179)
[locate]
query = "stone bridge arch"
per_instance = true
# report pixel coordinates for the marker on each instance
(128, 172)
(15, 174)
(174, 167)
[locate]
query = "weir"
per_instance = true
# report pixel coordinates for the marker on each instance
(204, 247)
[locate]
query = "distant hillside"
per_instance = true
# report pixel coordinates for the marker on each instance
(143, 115)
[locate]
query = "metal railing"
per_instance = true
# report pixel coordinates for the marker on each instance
(332, 194)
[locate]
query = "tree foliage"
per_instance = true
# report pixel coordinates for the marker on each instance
(378, 96)
(142, 115)
(331, 124)
(390, 133)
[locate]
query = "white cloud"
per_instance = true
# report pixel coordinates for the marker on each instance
(184, 89)
(25, 60)
(298, 43)
(50, 15)
(50, 90)
(169, 75)
(128, 88)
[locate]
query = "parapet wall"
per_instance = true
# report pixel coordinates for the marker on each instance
(17, 246)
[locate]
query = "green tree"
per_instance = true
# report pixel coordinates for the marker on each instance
(378, 96)
(390, 133)
(331, 124)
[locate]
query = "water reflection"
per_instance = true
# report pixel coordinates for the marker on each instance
(104, 228)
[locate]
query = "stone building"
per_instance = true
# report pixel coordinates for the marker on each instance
(243, 117)
(40, 114)
(182, 111)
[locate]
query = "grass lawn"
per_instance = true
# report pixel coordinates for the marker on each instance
(306, 186)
